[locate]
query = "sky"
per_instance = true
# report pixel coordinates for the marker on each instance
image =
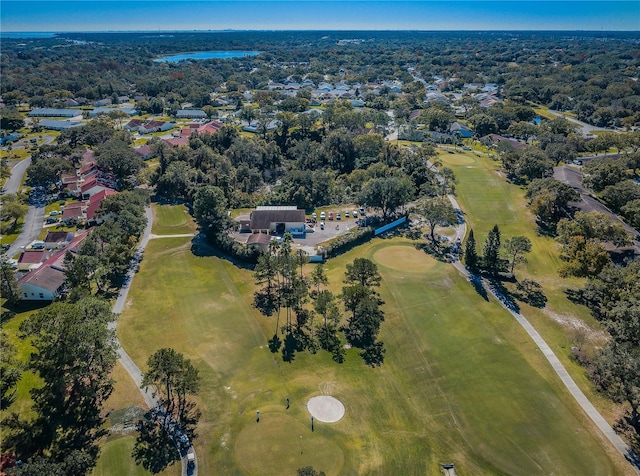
(154, 15)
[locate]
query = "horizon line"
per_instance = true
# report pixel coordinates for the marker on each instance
(227, 30)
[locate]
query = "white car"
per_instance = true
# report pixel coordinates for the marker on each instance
(323, 216)
(355, 213)
(322, 225)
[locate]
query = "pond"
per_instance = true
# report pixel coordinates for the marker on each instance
(203, 55)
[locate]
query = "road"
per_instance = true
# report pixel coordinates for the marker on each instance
(17, 172)
(584, 128)
(32, 225)
(150, 398)
(551, 357)
(34, 218)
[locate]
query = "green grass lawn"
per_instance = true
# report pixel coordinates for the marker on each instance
(487, 199)
(172, 220)
(461, 383)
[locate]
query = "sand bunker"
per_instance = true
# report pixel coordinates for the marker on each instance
(325, 409)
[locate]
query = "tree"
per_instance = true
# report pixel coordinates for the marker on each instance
(600, 173)
(74, 353)
(210, 209)
(515, 249)
(10, 119)
(119, 158)
(362, 271)
(470, 253)
(386, 193)
(491, 250)
(10, 373)
(483, 124)
(581, 240)
(437, 212)
(174, 378)
(617, 370)
(13, 209)
(8, 283)
(549, 199)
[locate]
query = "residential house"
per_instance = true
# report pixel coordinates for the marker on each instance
(133, 125)
(461, 129)
(56, 240)
(94, 204)
(176, 142)
(102, 102)
(495, 140)
(144, 152)
(54, 125)
(31, 259)
(47, 282)
(50, 112)
(106, 110)
(155, 126)
(73, 213)
(191, 114)
(278, 220)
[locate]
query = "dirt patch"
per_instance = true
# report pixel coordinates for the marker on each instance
(404, 258)
(575, 324)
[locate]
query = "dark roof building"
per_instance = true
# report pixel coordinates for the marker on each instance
(277, 219)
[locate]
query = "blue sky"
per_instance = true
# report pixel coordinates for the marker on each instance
(92, 15)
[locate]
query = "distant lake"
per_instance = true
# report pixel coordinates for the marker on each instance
(26, 34)
(203, 55)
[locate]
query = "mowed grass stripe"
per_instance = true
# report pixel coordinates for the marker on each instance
(172, 220)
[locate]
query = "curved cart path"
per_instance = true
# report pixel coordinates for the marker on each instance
(152, 401)
(561, 371)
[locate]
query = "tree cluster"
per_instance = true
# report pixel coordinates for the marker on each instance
(74, 353)
(287, 290)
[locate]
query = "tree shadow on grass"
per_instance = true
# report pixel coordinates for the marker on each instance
(624, 426)
(202, 249)
(265, 302)
(575, 296)
(478, 286)
(439, 251)
(530, 292)
(503, 294)
(154, 449)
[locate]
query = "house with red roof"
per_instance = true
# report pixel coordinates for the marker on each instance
(95, 201)
(176, 142)
(47, 282)
(31, 259)
(73, 212)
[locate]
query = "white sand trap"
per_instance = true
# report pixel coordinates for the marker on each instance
(326, 409)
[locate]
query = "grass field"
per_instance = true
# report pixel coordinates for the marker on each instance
(487, 199)
(461, 382)
(172, 220)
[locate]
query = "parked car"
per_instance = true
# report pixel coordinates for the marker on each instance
(362, 211)
(322, 225)
(338, 216)
(51, 220)
(330, 215)
(346, 214)
(314, 216)
(355, 214)
(55, 213)
(322, 216)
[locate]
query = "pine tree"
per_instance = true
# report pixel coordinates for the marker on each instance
(470, 253)
(491, 250)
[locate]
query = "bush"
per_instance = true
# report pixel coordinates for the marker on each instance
(347, 241)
